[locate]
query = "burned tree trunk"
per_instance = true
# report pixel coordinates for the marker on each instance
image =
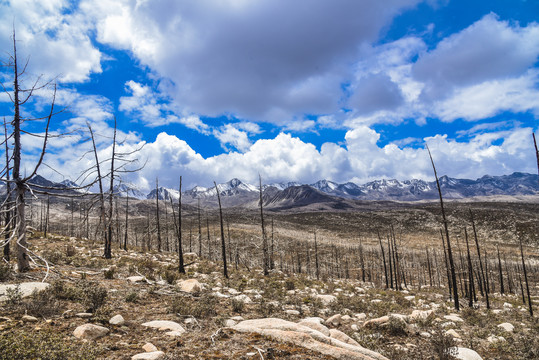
(264, 239)
(157, 215)
(483, 275)
(449, 253)
(223, 248)
(530, 305)
(383, 258)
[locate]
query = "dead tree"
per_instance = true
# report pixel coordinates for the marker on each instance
(157, 215)
(8, 204)
(530, 305)
(500, 272)
(471, 290)
(223, 248)
(178, 227)
(536, 151)
(383, 257)
(199, 231)
(126, 218)
(19, 96)
(446, 228)
(483, 275)
(264, 240)
(315, 258)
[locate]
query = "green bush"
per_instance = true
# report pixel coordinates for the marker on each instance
(42, 303)
(94, 296)
(132, 297)
(5, 271)
(109, 273)
(203, 307)
(43, 345)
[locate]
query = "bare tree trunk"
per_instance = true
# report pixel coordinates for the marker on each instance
(536, 151)
(315, 258)
(181, 266)
(264, 240)
(383, 258)
(530, 305)
(502, 288)
(157, 215)
(449, 253)
(8, 210)
(209, 237)
(199, 231)
(223, 248)
(483, 275)
(126, 218)
(470, 272)
(449, 283)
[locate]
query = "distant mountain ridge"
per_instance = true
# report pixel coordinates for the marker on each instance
(235, 192)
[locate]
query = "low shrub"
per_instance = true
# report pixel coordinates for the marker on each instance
(19, 344)
(203, 307)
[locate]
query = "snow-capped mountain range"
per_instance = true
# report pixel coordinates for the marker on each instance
(238, 192)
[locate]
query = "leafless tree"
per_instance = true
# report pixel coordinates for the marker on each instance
(19, 96)
(223, 248)
(264, 239)
(446, 228)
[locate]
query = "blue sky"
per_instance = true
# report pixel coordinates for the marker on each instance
(296, 91)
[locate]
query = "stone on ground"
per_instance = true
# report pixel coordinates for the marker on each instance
(466, 354)
(190, 286)
(26, 289)
(117, 320)
(90, 332)
(306, 337)
(507, 327)
(154, 355)
(149, 347)
(164, 325)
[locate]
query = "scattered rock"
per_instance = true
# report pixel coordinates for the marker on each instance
(453, 333)
(292, 312)
(84, 315)
(409, 298)
(164, 325)
(303, 336)
(149, 347)
(326, 299)
(425, 334)
(334, 320)
(26, 289)
(493, 339)
(155, 355)
(244, 298)
(28, 318)
(361, 316)
(421, 315)
(507, 327)
(117, 320)
(189, 286)
(466, 354)
(507, 305)
(346, 319)
(230, 323)
(90, 332)
(136, 279)
(453, 317)
(377, 322)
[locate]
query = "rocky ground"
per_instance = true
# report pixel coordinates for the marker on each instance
(137, 306)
